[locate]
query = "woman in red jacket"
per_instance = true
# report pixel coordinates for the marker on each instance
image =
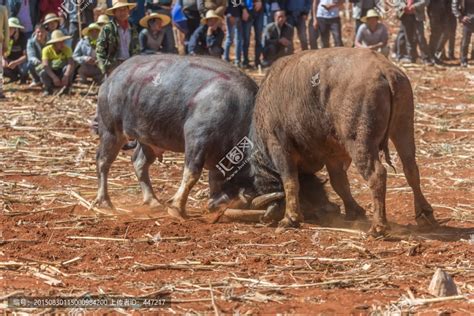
(49, 6)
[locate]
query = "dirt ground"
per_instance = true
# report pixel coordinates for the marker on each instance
(51, 244)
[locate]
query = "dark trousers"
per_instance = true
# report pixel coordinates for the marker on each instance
(47, 81)
(466, 39)
(327, 27)
(33, 72)
(296, 19)
(256, 21)
(438, 24)
(20, 72)
(313, 35)
(193, 22)
(272, 52)
(415, 34)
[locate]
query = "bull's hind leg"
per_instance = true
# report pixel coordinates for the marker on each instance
(143, 157)
(404, 142)
(288, 170)
(193, 164)
(337, 174)
(372, 170)
(108, 150)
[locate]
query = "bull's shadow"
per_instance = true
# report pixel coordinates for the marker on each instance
(397, 231)
(319, 210)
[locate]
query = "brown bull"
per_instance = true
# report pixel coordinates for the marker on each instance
(328, 108)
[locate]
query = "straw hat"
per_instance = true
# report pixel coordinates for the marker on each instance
(15, 23)
(92, 26)
(58, 36)
(165, 20)
(50, 17)
(103, 19)
(119, 4)
(211, 14)
(370, 14)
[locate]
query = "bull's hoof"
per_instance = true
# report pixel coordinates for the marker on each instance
(103, 202)
(285, 224)
(427, 221)
(152, 203)
(356, 213)
(177, 213)
(378, 230)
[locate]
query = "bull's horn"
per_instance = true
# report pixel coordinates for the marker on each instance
(266, 199)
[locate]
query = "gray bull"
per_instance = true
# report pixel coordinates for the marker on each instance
(328, 108)
(196, 105)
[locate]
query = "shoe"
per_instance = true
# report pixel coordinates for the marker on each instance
(34, 84)
(237, 64)
(464, 64)
(2, 96)
(47, 93)
(438, 62)
(406, 60)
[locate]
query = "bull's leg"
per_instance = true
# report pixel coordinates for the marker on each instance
(194, 162)
(216, 195)
(404, 142)
(339, 182)
(143, 157)
(372, 170)
(108, 150)
(288, 170)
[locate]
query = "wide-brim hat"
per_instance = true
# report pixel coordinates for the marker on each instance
(211, 14)
(102, 19)
(15, 23)
(51, 17)
(92, 26)
(116, 4)
(165, 20)
(370, 14)
(58, 36)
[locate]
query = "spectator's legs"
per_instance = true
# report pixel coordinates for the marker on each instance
(238, 41)
(302, 32)
(313, 35)
(269, 54)
(74, 32)
(258, 29)
(466, 40)
(90, 71)
(437, 26)
(48, 85)
(246, 28)
(12, 74)
(193, 24)
(33, 73)
(23, 71)
(420, 34)
(324, 29)
(229, 38)
(2, 96)
(452, 22)
(336, 31)
(408, 26)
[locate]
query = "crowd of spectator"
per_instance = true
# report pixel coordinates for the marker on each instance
(52, 43)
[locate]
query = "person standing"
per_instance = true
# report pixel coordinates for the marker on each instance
(234, 17)
(313, 27)
(82, 11)
(412, 15)
(463, 10)
(27, 11)
(118, 40)
(255, 20)
(4, 39)
(297, 12)
(328, 21)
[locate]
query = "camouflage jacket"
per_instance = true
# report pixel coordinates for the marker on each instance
(108, 45)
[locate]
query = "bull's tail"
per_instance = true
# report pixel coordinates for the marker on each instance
(384, 145)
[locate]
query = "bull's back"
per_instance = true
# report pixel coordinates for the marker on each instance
(154, 98)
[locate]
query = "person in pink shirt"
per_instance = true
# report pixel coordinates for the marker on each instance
(49, 6)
